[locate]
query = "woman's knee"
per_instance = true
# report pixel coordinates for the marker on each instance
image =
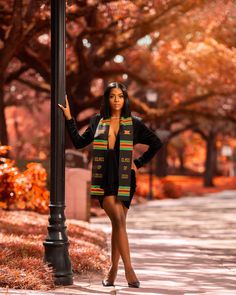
(115, 212)
(118, 221)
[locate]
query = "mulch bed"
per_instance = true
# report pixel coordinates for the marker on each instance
(21, 250)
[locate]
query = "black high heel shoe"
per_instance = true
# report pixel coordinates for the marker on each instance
(106, 283)
(134, 284)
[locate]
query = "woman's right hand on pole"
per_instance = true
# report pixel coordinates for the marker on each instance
(66, 109)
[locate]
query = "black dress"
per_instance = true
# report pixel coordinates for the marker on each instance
(141, 134)
(111, 175)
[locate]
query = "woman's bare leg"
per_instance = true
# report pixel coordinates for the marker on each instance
(117, 213)
(115, 253)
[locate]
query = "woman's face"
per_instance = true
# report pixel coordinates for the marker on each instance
(116, 99)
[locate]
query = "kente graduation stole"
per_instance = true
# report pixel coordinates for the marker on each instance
(99, 150)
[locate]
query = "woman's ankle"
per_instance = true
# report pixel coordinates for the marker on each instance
(112, 273)
(128, 268)
(113, 267)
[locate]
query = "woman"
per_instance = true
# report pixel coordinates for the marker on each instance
(114, 132)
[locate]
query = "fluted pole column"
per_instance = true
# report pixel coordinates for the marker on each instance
(56, 243)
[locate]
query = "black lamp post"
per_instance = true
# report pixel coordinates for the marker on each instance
(150, 194)
(56, 243)
(152, 97)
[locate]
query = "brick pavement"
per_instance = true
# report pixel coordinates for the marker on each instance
(178, 246)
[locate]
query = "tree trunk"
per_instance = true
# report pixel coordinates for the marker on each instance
(210, 163)
(181, 160)
(161, 162)
(3, 126)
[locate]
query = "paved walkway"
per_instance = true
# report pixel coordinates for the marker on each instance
(183, 246)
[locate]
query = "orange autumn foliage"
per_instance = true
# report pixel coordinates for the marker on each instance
(161, 188)
(22, 190)
(171, 189)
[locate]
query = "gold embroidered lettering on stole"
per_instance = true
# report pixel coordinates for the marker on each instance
(98, 159)
(98, 175)
(125, 159)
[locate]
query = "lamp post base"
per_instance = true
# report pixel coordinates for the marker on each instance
(56, 255)
(56, 247)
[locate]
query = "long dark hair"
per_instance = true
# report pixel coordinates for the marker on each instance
(105, 105)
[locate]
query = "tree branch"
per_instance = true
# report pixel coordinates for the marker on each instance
(43, 87)
(15, 75)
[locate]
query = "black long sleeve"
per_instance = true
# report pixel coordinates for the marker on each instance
(142, 134)
(81, 140)
(148, 137)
